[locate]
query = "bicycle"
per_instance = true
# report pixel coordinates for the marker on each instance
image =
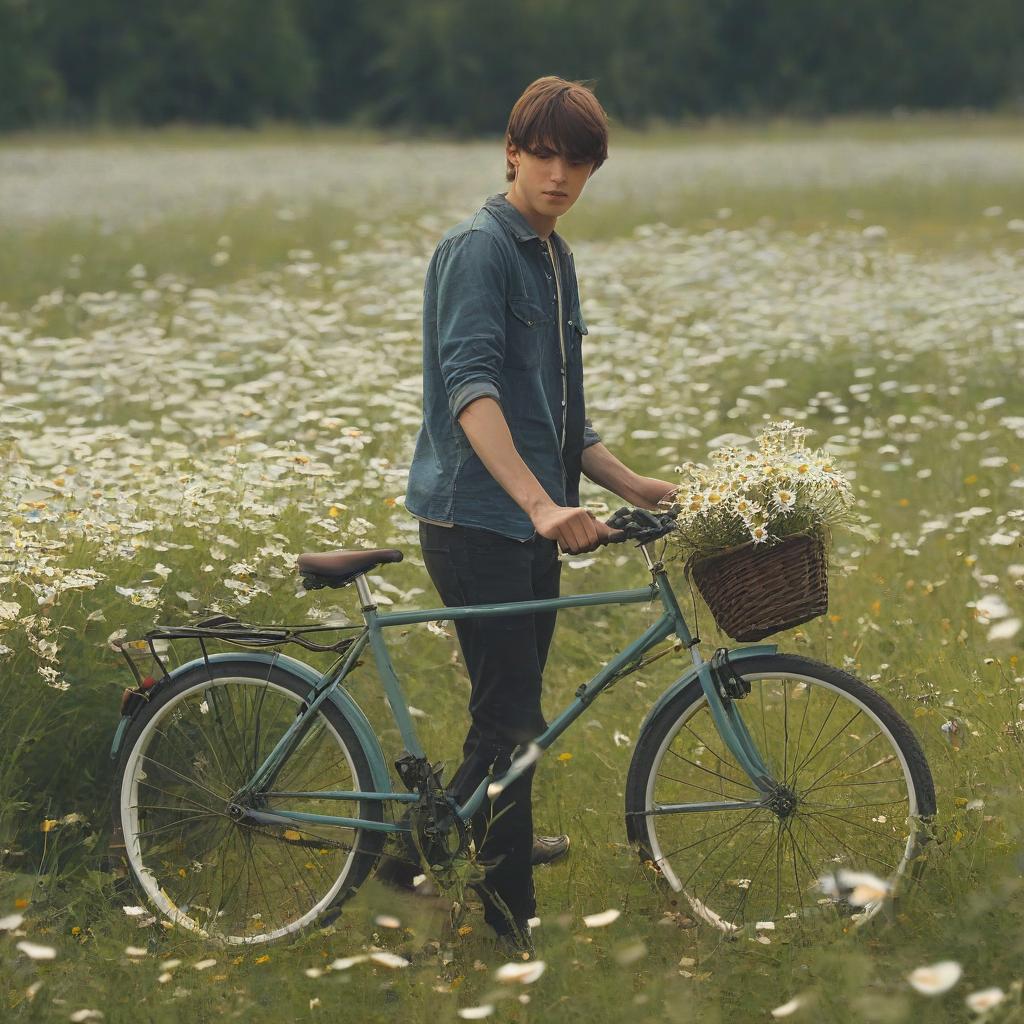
(756, 777)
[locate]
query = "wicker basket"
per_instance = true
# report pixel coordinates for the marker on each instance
(754, 590)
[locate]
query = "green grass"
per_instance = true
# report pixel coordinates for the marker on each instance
(130, 422)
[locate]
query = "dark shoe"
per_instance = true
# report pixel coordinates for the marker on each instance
(517, 944)
(548, 848)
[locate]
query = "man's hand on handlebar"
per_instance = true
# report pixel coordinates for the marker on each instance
(575, 529)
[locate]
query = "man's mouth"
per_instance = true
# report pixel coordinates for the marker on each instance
(555, 193)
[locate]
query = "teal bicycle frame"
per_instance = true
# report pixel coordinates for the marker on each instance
(729, 723)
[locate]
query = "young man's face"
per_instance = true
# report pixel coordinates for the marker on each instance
(547, 183)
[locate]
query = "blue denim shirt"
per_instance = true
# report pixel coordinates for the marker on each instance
(490, 327)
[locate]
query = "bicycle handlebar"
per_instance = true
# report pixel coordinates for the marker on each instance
(641, 525)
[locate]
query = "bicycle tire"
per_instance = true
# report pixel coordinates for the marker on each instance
(174, 708)
(680, 759)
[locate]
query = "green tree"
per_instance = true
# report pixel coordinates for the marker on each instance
(30, 89)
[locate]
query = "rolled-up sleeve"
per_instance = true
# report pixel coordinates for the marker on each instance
(590, 435)
(471, 287)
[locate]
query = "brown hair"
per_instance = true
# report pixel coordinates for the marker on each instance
(554, 115)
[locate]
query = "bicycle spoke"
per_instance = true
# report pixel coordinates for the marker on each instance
(809, 691)
(711, 750)
(214, 697)
(725, 870)
(828, 743)
(878, 782)
(166, 792)
(740, 907)
(172, 824)
(185, 778)
(846, 821)
(852, 753)
(706, 839)
(187, 754)
(785, 731)
(849, 849)
(821, 729)
(702, 789)
(718, 775)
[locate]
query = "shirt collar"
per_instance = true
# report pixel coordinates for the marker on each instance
(516, 224)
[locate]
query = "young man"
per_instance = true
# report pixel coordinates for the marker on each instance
(495, 475)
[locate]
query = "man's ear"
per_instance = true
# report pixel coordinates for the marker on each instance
(512, 150)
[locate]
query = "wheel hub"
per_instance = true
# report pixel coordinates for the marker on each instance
(783, 802)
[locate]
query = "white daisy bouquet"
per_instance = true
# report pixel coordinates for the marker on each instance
(760, 496)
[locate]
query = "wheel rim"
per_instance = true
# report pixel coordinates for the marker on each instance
(200, 868)
(740, 868)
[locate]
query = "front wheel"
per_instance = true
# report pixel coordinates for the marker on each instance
(207, 870)
(855, 788)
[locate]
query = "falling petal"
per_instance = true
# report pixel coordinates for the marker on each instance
(934, 979)
(600, 920)
(344, 963)
(985, 1000)
(391, 960)
(34, 951)
(523, 972)
(788, 1008)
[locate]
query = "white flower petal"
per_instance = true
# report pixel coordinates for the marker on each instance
(525, 972)
(392, 960)
(605, 917)
(934, 979)
(34, 951)
(345, 962)
(985, 999)
(787, 1008)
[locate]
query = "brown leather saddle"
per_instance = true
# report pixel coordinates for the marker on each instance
(339, 568)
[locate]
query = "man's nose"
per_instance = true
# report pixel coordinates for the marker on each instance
(559, 169)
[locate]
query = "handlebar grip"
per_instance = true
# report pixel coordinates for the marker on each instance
(622, 538)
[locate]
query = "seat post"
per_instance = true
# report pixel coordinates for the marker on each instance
(363, 590)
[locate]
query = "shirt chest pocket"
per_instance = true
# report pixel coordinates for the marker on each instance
(527, 327)
(575, 327)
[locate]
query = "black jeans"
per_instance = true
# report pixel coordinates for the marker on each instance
(505, 656)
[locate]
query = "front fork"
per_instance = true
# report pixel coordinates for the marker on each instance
(732, 728)
(711, 674)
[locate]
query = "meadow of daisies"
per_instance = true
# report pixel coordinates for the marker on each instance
(210, 362)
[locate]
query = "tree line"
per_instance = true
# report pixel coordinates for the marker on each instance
(458, 65)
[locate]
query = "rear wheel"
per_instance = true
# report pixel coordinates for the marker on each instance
(844, 829)
(194, 745)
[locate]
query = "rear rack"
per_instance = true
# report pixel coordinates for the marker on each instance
(232, 631)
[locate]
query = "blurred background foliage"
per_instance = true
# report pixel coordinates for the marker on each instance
(457, 65)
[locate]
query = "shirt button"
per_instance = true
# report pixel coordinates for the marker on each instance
(563, 403)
